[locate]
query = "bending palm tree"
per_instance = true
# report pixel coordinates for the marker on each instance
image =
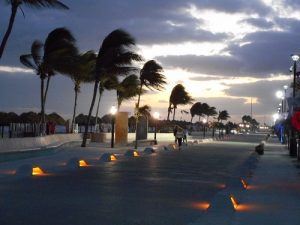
(84, 70)
(114, 58)
(16, 4)
(35, 62)
(179, 96)
(58, 48)
(152, 78)
(107, 83)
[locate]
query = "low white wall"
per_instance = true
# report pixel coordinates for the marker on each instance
(36, 143)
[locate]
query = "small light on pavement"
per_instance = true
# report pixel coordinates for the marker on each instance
(234, 202)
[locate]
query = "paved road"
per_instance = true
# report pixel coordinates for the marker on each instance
(158, 189)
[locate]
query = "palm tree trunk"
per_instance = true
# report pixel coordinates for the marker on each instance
(174, 113)
(86, 127)
(169, 111)
(137, 115)
(14, 8)
(46, 91)
(74, 110)
(42, 119)
(98, 105)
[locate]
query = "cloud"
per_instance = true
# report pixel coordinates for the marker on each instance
(259, 22)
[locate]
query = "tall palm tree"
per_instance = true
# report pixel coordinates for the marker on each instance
(53, 56)
(114, 58)
(34, 61)
(151, 77)
(83, 71)
(179, 96)
(106, 83)
(16, 4)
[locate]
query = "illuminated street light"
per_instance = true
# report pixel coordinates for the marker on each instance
(156, 117)
(113, 111)
(275, 117)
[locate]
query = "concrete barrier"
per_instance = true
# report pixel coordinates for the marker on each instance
(37, 143)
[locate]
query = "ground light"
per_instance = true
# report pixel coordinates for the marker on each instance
(113, 158)
(131, 153)
(37, 171)
(108, 157)
(244, 183)
(82, 163)
(234, 202)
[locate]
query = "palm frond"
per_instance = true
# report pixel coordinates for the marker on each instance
(26, 60)
(36, 52)
(45, 3)
(116, 39)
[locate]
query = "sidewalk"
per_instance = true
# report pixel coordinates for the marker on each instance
(273, 196)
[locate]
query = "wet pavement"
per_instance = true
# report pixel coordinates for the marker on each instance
(167, 187)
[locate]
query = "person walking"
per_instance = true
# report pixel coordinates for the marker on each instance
(179, 136)
(185, 134)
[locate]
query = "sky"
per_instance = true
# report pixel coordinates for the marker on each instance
(227, 53)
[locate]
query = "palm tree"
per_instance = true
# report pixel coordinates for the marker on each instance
(151, 77)
(54, 55)
(196, 110)
(16, 4)
(84, 68)
(179, 96)
(114, 58)
(127, 89)
(211, 111)
(35, 62)
(223, 115)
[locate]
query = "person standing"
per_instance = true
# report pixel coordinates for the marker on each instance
(175, 133)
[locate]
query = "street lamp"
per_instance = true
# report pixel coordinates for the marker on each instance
(113, 111)
(156, 117)
(293, 144)
(204, 122)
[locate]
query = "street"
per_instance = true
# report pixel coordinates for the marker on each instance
(167, 187)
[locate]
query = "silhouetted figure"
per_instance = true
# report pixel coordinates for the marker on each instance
(175, 132)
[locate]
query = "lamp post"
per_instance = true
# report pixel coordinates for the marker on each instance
(113, 111)
(293, 144)
(156, 117)
(204, 123)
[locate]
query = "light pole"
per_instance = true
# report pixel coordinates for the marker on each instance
(293, 144)
(113, 111)
(204, 123)
(156, 117)
(285, 87)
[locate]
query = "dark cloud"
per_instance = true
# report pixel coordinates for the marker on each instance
(264, 91)
(213, 65)
(259, 22)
